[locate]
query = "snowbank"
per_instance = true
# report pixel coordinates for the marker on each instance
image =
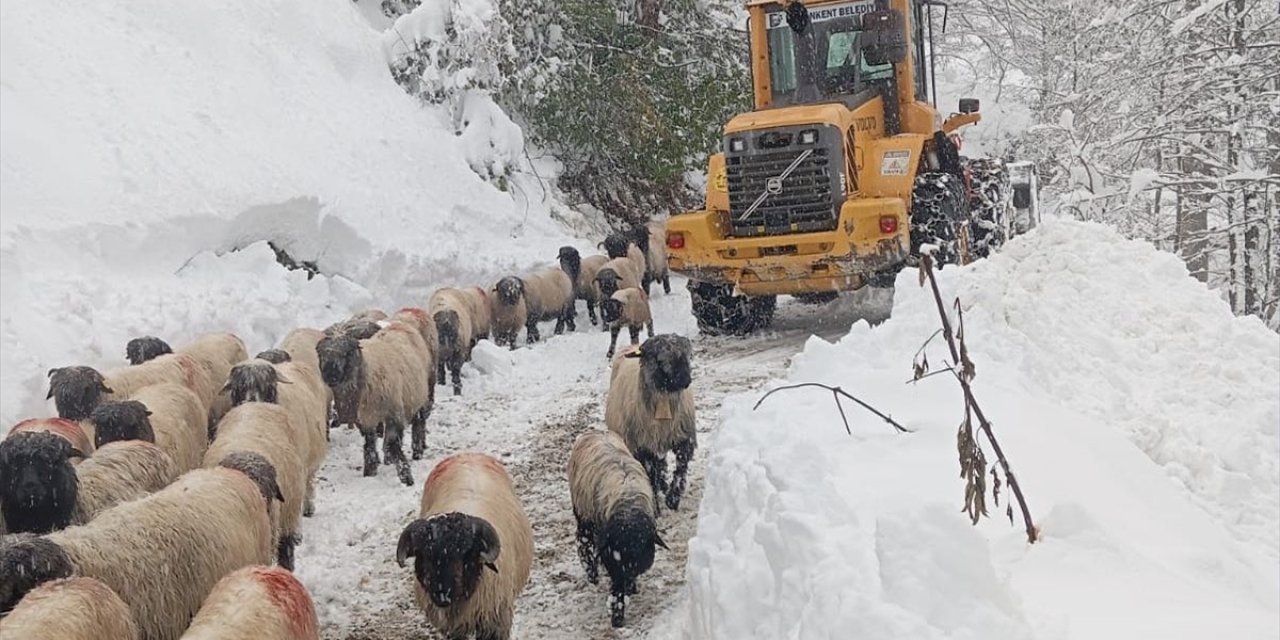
(1140, 415)
(145, 142)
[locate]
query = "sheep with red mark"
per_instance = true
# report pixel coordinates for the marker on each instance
(77, 391)
(167, 414)
(266, 430)
(548, 295)
(263, 603)
(382, 381)
(162, 553)
(582, 271)
(614, 508)
(77, 434)
(651, 406)
(70, 609)
(144, 348)
(508, 310)
(472, 548)
(629, 308)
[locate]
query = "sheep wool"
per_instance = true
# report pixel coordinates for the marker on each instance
(120, 472)
(70, 609)
(618, 273)
(470, 496)
(217, 352)
(178, 421)
(481, 322)
(263, 603)
(300, 344)
(626, 308)
(508, 310)
(656, 256)
(451, 310)
(582, 271)
(548, 294)
(265, 429)
(74, 433)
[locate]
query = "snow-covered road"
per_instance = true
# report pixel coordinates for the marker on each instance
(527, 407)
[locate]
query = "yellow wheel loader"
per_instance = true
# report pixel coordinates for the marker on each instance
(842, 172)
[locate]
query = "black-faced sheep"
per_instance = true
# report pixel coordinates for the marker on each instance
(70, 609)
(548, 294)
(582, 271)
(629, 308)
(140, 350)
(621, 245)
(651, 240)
(651, 406)
(38, 488)
(299, 390)
(266, 430)
(161, 554)
(508, 310)
(167, 414)
(77, 391)
(472, 548)
(78, 435)
(421, 320)
(452, 311)
(383, 380)
(616, 274)
(263, 603)
(614, 507)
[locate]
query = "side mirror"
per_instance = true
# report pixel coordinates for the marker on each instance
(883, 37)
(968, 105)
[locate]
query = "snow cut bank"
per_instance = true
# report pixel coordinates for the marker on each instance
(1140, 415)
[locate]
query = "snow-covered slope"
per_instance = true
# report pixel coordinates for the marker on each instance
(141, 142)
(1140, 415)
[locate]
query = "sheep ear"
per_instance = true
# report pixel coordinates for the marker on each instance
(491, 566)
(102, 386)
(657, 539)
(281, 379)
(74, 452)
(279, 493)
(487, 543)
(632, 354)
(226, 388)
(406, 547)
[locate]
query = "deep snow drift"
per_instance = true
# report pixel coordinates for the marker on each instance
(1140, 415)
(144, 141)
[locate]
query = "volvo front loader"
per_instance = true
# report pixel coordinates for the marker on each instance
(842, 172)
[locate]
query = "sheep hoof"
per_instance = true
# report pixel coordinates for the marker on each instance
(309, 509)
(406, 476)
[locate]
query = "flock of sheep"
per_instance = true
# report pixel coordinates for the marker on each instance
(156, 503)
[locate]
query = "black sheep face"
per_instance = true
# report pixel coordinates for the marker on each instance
(26, 562)
(664, 362)
(447, 324)
(640, 236)
(76, 391)
(124, 420)
(627, 544)
(449, 553)
(275, 356)
(38, 486)
(615, 244)
(607, 280)
(338, 357)
(259, 470)
(362, 329)
(610, 310)
(570, 261)
(254, 382)
(140, 350)
(509, 290)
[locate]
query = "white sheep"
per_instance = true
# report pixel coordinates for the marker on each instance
(623, 245)
(217, 352)
(472, 548)
(297, 388)
(548, 294)
(119, 472)
(582, 271)
(70, 609)
(77, 391)
(615, 511)
(508, 311)
(265, 429)
(651, 406)
(452, 311)
(619, 273)
(263, 603)
(162, 553)
(383, 381)
(167, 414)
(629, 308)
(426, 326)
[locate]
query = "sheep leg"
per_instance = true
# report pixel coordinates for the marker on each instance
(635, 333)
(666, 284)
(309, 506)
(684, 454)
(531, 331)
(455, 370)
(441, 378)
(370, 451)
(656, 470)
(591, 311)
(587, 549)
(650, 325)
(618, 602)
(645, 282)
(395, 450)
(284, 551)
(419, 445)
(613, 341)
(571, 316)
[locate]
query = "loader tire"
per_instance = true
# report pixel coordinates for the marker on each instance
(719, 312)
(989, 205)
(939, 210)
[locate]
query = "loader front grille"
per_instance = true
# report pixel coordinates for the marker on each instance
(807, 199)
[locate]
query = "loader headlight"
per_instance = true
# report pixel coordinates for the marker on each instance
(737, 145)
(809, 136)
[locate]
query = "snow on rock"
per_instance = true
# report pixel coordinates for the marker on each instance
(1140, 415)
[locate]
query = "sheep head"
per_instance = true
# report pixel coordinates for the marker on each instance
(610, 309)
(449, 552)
(125, 420)
(340, 359)
(607, 280)
(639, 233)
(627, 543)
(570, 262)
(447, 325)
(76, 391)
(38, 486)
(259, 470)
(275, 356)
(140, 350)
(615, 244)
(664, 362)
(254, 381)
(509, 290)
(26, 562)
